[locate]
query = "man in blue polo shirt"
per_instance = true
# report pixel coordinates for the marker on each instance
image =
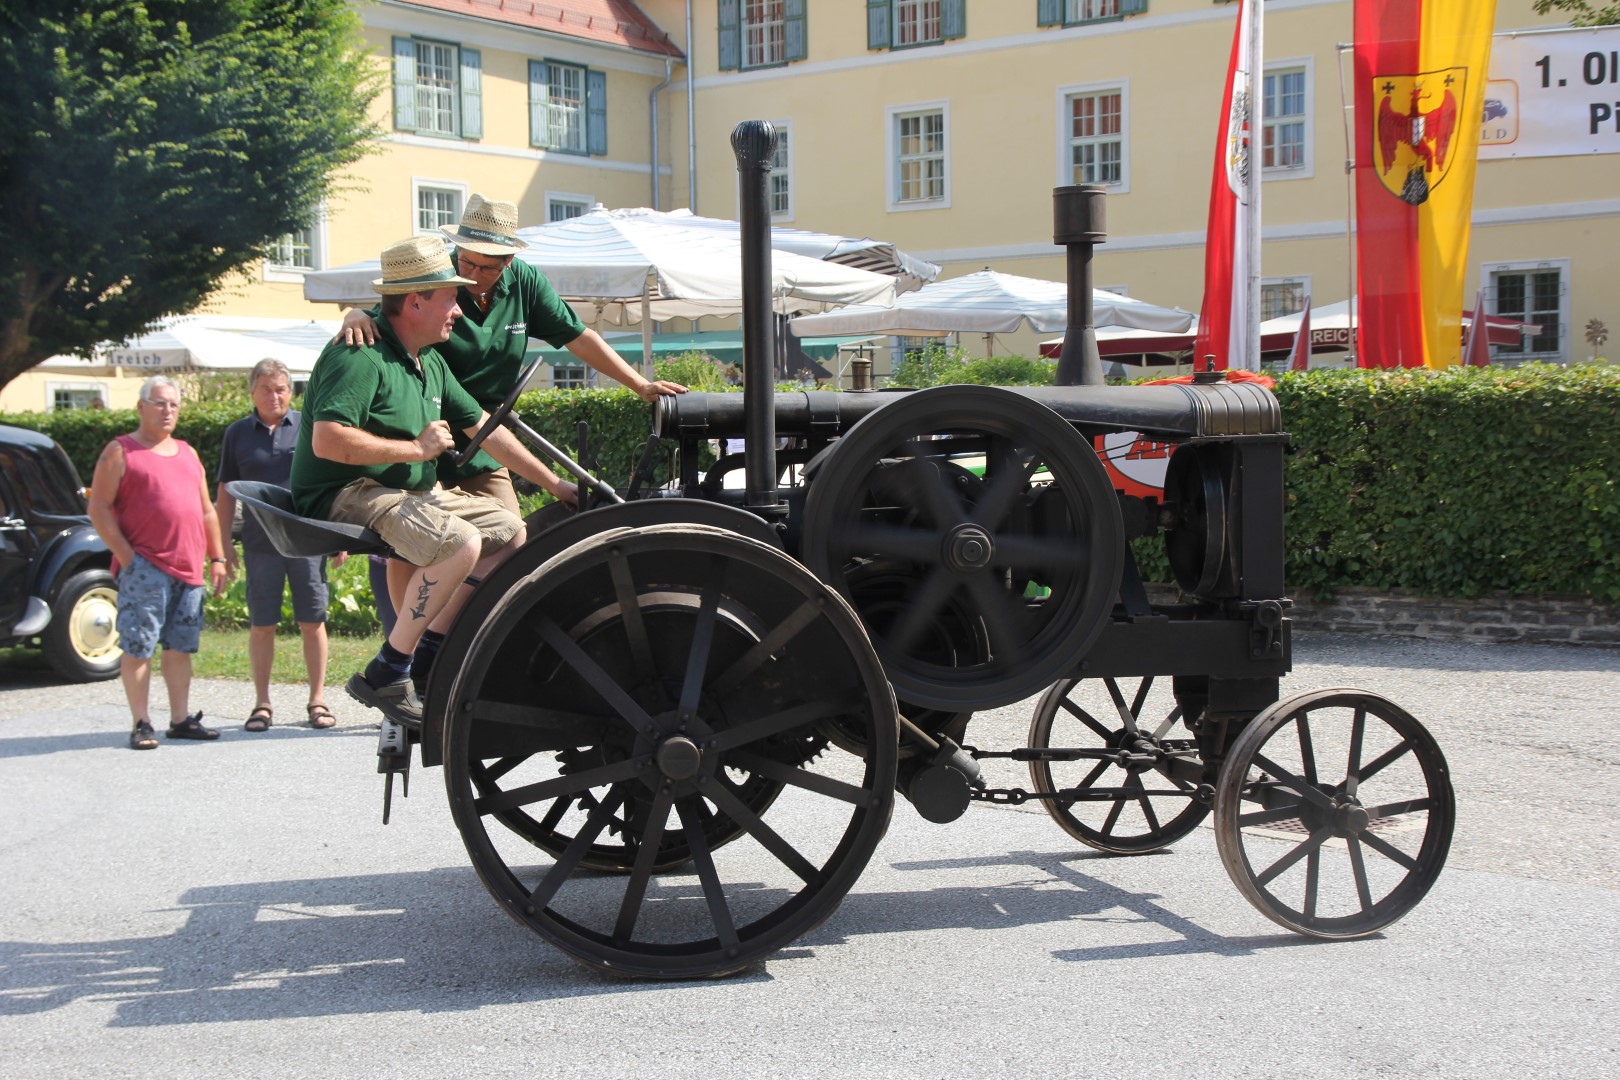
(260, 447)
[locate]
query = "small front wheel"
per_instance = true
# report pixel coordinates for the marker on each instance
(1333, 813)
(81, 642)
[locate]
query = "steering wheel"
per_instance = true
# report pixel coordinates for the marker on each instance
(496, 418)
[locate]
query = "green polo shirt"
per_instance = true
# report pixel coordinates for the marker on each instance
(485, 350)
(379, 389)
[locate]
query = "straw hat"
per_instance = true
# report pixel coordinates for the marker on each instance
(489, 228)
(420, 264)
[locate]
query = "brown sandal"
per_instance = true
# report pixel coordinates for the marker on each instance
(320, 716)
(259, 719)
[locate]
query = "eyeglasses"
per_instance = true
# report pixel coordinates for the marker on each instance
(163, 406)
(478, 267)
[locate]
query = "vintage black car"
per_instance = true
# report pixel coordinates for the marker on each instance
(56, 588)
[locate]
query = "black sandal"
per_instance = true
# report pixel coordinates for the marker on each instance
(144, 737)
(259, 719)
(191, 728)
(320, 716)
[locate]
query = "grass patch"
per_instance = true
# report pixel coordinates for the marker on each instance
(223, 654)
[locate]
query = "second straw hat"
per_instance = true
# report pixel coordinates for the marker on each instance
(489, 228)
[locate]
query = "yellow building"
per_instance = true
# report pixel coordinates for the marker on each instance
(938, 125)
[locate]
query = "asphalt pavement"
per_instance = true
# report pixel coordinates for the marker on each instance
(238, 909)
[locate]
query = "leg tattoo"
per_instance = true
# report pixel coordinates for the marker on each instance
(422, 593)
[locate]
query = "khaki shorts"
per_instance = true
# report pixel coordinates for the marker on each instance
(495, 485)
(425, 527)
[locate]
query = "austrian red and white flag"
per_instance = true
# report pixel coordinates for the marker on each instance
(1228, 321)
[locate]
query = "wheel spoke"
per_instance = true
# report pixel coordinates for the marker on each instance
(890, 541)
(1001, 615)
(1035, 552)
(1113, 816)
(784, 773)
(1270, 816)
(1313, 877)
(1405, 806)
(1389, 851)
(1127, 715)
(703, 862)
(782, 722)
(605, 686)
(1169, 722)
(1310, 844)
(1146, 804)
(1307, 750)
(567, 784)
(504, 765)
(635, 889)
(1293, 783)
(635, 627)
(943, 504)
(697, 658)
(769, 838)
(1384, 760)
(936, 589)
(1010, 479)
(576, 729)
(1140, 699)
(1359, 869)
(568, 861)
(1087, 719)
(765, 648)
(1352, 767)
(554, 816)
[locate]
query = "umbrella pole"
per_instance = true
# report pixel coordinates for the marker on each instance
(646, 328)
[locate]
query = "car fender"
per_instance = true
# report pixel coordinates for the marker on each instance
(71, 550)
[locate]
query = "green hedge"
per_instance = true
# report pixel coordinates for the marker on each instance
(1453, 483)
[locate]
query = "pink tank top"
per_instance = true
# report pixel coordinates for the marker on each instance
(159, 507)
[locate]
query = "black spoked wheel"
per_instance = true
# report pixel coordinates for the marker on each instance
(1004, 518)
(1132, 784)
(1334, 813)
(641, 698)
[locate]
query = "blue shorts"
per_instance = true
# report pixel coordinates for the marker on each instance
(155, 610)
(268, 572)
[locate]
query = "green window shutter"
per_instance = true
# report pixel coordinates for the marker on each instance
(595, 111)
(953, 19)
(404, 84)
(879, 24)
(794, 46)
(730, 36)
(1132, 7)
(1048, 12)
(472, 94)
(539, 95)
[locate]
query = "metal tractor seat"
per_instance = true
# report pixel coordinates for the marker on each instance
(301, 537)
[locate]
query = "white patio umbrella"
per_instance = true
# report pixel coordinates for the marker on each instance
(878, 256)
(989, 302)
(219, 343)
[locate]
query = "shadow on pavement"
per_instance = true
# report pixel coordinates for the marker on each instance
(35, 745)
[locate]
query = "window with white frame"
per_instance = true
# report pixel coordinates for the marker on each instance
(294, 251)
(570, 376)
(1535, 293)
(1284, 123)
(763, 37)
(560, 207)
(1095, 136)
(1075, 12)
(437, 204)
(565, 108)
(438, 88)
(67, 396)
(919, 152)
(1282, 296)
(916, 22)
(781, 175)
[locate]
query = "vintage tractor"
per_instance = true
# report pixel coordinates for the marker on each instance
(673, 725)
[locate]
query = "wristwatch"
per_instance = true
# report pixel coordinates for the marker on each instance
(216, 560)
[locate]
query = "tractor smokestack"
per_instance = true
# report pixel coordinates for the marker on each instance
(754, 143)
(1078, 223)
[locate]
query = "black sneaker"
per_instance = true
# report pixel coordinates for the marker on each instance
(396, 699)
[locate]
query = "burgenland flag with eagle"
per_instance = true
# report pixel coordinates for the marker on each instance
(1420, 72)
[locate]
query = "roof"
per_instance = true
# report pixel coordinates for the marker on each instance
(610, 22)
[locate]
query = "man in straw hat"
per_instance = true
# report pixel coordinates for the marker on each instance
(377, 419)
(504, 303)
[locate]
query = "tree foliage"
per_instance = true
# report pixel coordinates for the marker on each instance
(148, 150)
(1581, 12)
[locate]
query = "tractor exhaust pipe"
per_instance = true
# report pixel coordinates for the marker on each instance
(754, 143)
(1078, 224)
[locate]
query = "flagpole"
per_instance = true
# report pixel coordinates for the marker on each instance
(1255, 74)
